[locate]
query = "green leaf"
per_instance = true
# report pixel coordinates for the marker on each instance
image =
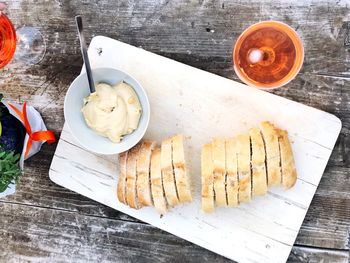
(9, 169)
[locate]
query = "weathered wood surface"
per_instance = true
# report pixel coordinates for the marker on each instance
(45, 222)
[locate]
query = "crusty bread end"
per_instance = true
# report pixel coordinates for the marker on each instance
(289, 174)
(122, 178)
(131, 177)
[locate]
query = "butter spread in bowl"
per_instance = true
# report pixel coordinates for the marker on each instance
(112, 111)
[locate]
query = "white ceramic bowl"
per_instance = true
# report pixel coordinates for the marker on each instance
(79, 89)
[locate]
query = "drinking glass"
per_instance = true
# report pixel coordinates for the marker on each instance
(26, 43)
(7, 40)
(268, 55)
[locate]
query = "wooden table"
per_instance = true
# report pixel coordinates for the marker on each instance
(44, 222)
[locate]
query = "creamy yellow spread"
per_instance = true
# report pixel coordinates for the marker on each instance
(112, 111)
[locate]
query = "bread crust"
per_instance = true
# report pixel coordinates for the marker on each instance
(157, 189)
(121, 187)
(219, 163)
(289, 174)
(180, 170)
(232, 183)
(270, 137)
(168, 176)
(143, 173)
(131, 177)
(259, 178)
(207, 179)
(244, 172)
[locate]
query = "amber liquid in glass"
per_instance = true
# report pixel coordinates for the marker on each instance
(268, 55)
(7, 40)
(277, 56)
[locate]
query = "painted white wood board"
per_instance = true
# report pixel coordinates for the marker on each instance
(201, 106)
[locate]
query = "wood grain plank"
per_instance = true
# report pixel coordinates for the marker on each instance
(315, 255)
(48, 235)
(332, 200)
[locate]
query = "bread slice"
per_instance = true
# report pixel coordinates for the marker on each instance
(168, 173)
(180, 171)
(122, 178)
(131, 177)
(259, 178)
(289, 174)
(207, 179)
(270, 137)
(244, 172)
(143, 173)
(156, 182)
(219, 163)
(232, 184)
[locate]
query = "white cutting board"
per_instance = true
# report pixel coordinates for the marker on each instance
(201, 106)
